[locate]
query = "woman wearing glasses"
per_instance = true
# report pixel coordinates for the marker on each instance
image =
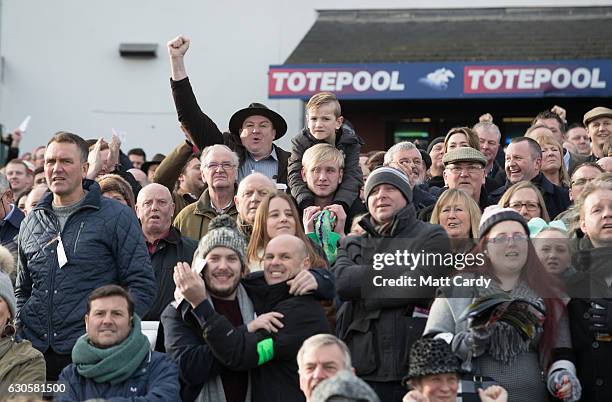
(526, 349)
(525, 198)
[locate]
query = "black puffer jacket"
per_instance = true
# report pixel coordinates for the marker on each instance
(103, 244)
(349, 143)
(379, 331)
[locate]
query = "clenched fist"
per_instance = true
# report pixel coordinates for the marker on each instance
(178, 46)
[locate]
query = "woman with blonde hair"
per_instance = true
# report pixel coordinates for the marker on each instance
(526, 199)
(459, 215)
(553, 167)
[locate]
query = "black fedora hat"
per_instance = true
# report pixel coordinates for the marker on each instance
(157, 159)
(258, 109)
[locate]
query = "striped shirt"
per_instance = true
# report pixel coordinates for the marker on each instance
(267, 166)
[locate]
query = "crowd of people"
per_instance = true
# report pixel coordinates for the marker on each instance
(233, 270)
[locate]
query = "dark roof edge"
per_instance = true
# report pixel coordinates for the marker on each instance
(465, 14)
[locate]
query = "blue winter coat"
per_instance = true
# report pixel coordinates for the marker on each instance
(103, 243)
(155, 380)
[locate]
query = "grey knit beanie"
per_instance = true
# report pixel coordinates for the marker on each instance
(344, 386)
(389, 175)
(8, 294)
(223, 232)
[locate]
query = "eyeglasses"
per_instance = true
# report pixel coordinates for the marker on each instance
(503, 239)
(580, 182)
(471, 169)
(531, 206)
(214, 166)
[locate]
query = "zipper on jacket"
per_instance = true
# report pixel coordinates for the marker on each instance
(52, 286)
(76, 242)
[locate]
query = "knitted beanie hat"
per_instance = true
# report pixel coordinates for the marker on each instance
(429, 356)
(494, 214)
(389, 175)
(223, 232)
(344, 386)
(433, 143)
(7, 293)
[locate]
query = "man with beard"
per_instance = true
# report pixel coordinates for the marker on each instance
(406, 157)
(251, 190)
(214, 328)
(154, 208)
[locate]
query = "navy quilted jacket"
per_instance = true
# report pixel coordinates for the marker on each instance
(104, 245)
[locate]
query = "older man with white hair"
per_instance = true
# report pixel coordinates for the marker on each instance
(220, 170)
(251, 191)
(406, 157)
(166, 246)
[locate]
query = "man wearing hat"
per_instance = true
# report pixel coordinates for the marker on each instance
(149, 167)
(464, 168)
(598, 122)
(380, 330)
(407, 157)
(214, 334)
(436, 152)
(433, 375)
(252, 130)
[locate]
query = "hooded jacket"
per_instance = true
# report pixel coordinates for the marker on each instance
(379, 331)
(204, 131)
(103, 243)
(350, 144)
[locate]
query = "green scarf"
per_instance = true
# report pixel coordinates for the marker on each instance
(115, 364)
(325, 236)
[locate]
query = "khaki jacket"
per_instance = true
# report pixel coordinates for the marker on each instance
(21, 364)
(193, 220)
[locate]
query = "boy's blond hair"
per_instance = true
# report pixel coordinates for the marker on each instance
(324, 98)
(321, 153)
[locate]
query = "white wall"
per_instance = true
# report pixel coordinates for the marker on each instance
(62, 64)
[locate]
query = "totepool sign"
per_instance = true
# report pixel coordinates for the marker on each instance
(443, 80)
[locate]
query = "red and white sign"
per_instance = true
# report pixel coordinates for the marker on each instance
(513, 79)
(309, 82)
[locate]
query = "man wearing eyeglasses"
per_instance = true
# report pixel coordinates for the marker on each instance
(406, 157)
(219, 170)
(464, 168)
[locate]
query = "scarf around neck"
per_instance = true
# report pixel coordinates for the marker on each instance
(115, 364)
